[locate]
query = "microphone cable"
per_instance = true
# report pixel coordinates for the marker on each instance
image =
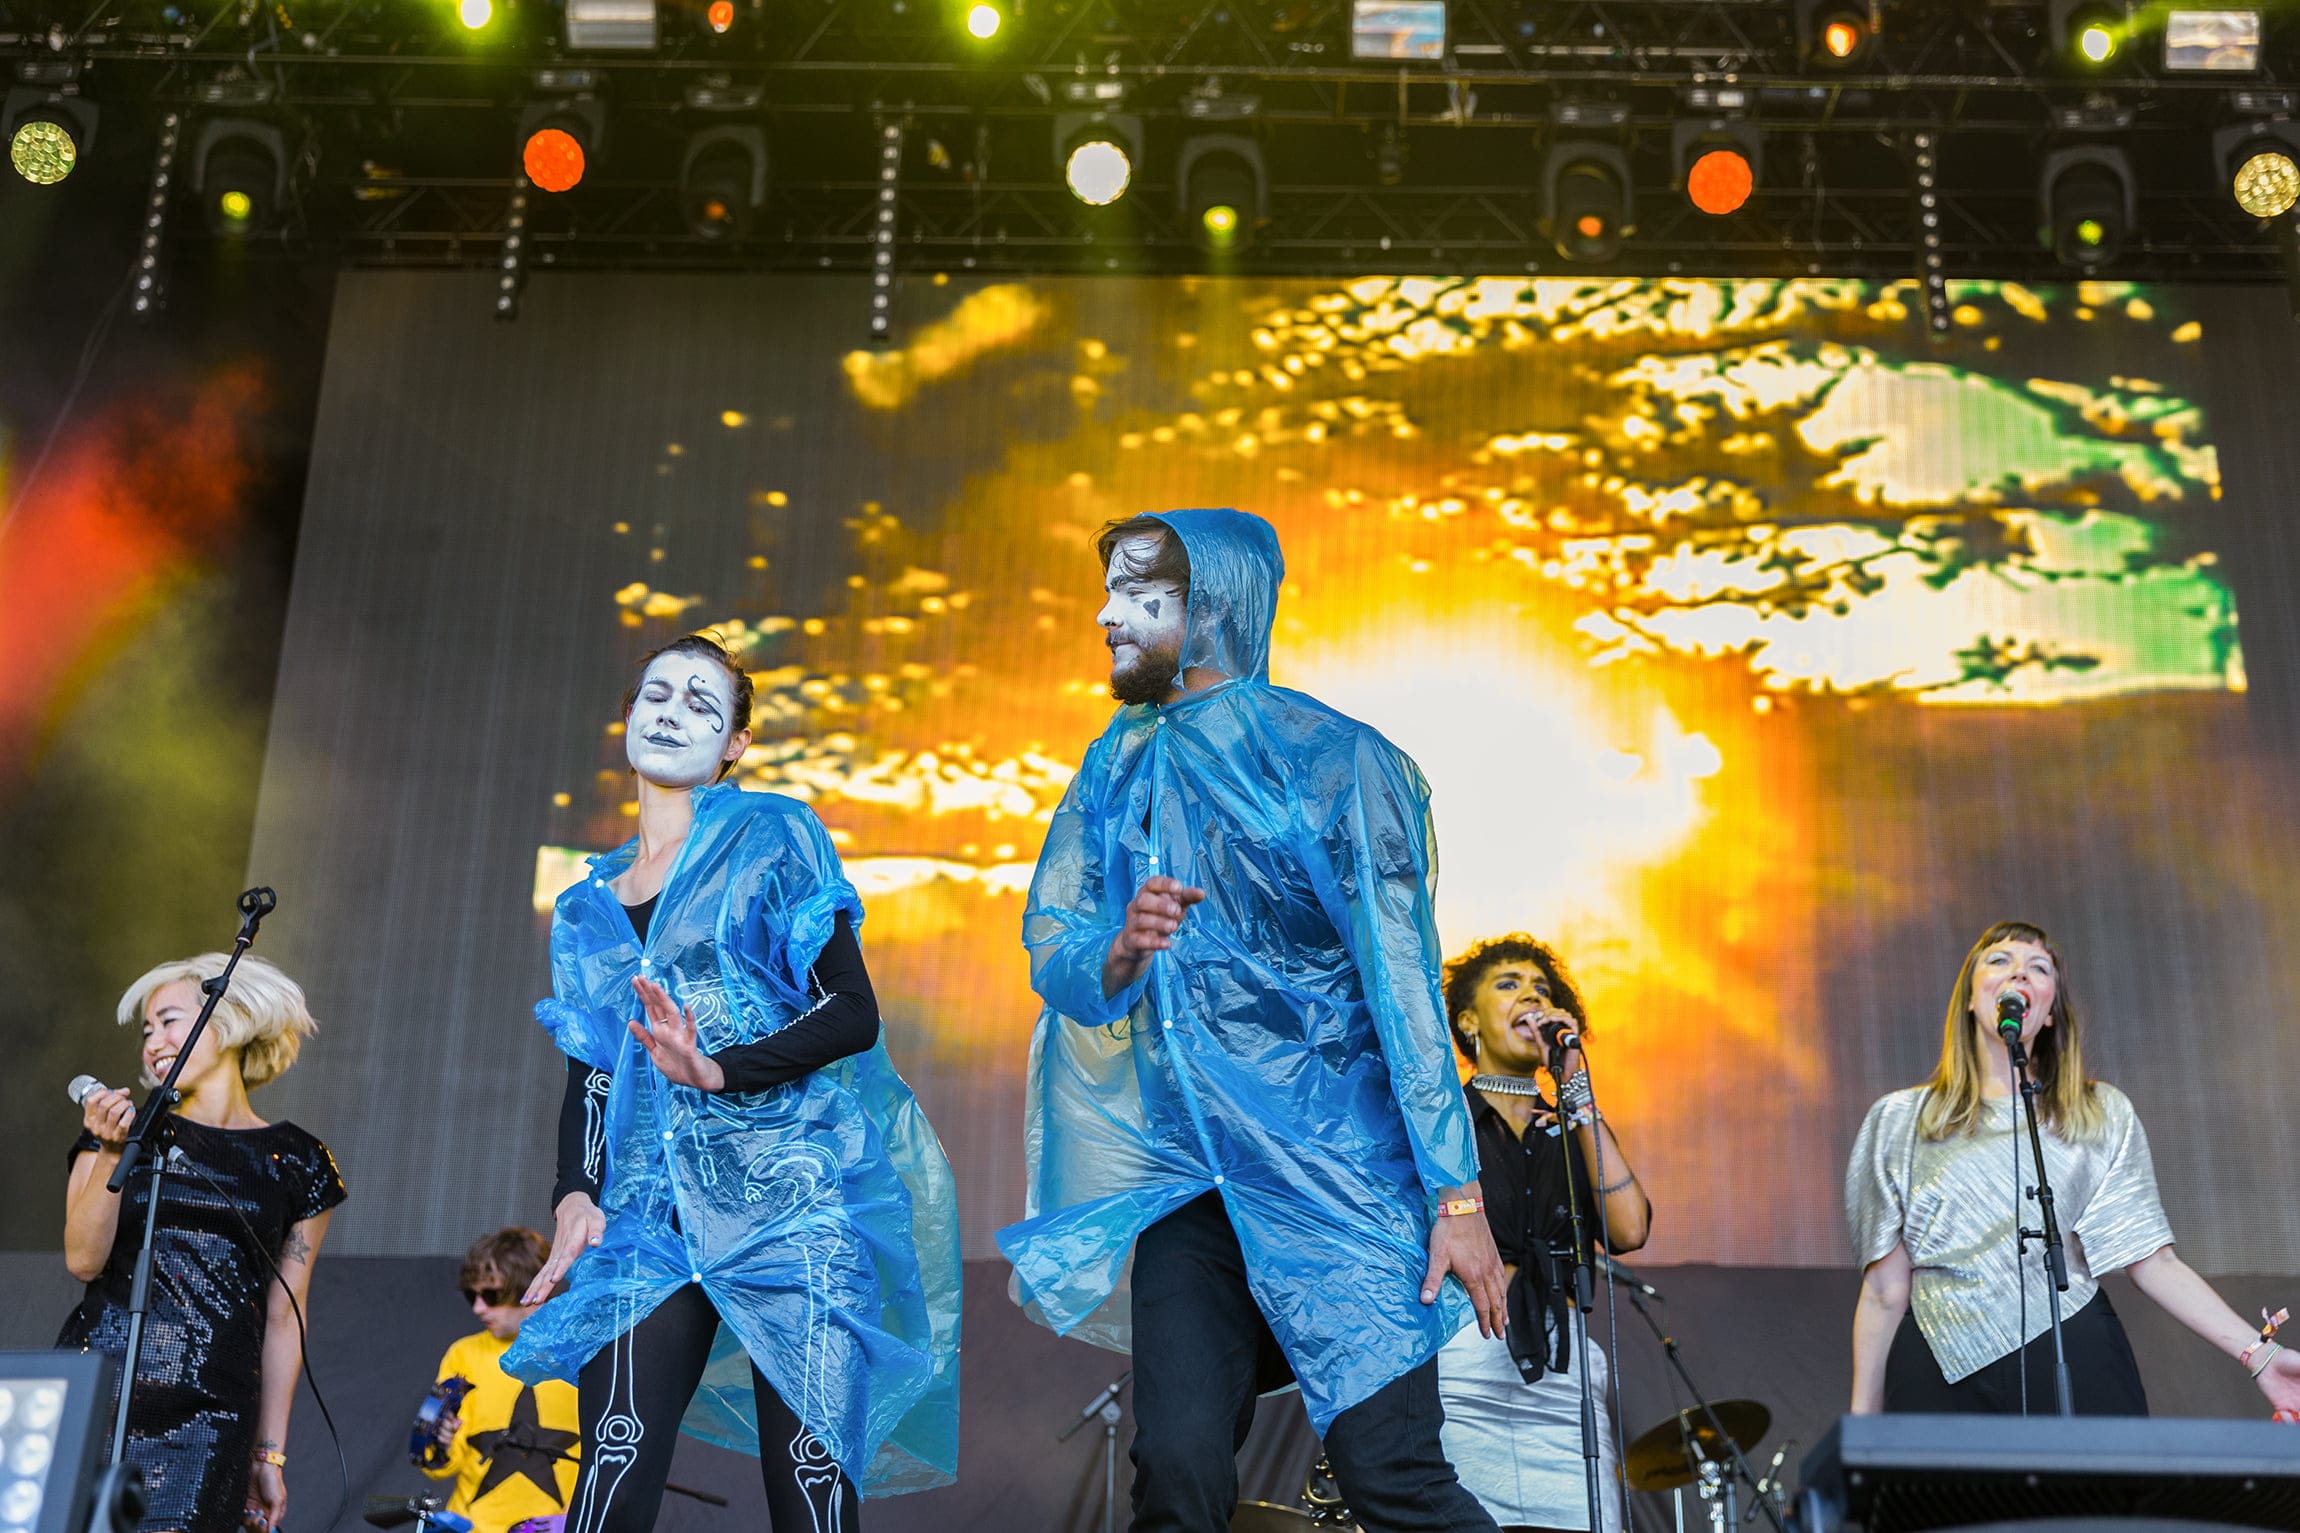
(303, 1345)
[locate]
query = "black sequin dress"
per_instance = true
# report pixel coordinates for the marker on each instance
(199, 1387)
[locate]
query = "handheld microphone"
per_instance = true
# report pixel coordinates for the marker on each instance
(1559, 1033)
(82, 1088)
(2012, 1011)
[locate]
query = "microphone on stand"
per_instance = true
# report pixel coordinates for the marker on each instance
(1770, 1485)
(1625, 1277)
(82, 1088)
(2012, 1011)
(1558, 1034)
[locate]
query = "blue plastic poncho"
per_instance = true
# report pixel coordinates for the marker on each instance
(1290, 1049)
(819, 1216)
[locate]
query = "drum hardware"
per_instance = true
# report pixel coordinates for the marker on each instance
(1687, 1450)
(1322, 1507)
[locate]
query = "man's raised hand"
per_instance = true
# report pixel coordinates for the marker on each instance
(1153, 916)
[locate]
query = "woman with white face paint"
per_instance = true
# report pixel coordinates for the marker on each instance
(755, 1223)
(1930, 1195)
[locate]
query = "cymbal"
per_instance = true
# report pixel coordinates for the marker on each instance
(1665, 1457)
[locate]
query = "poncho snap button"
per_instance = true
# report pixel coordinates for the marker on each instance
(666, 1136)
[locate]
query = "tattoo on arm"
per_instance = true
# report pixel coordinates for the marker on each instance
(295, 1248)
(1628, 1178)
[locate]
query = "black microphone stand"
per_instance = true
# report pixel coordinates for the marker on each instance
(1669, 1350)
(150, 1128)
(1105, 1408)
(1584, 1295)
(2055, 1258)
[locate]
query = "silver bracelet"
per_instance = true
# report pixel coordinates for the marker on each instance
(1574, 1095)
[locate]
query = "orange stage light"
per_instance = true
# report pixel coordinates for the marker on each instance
(1719, 181)
(721, 15)
(554, 159)
(1841, 37)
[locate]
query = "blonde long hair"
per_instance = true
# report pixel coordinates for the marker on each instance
(263, 1016)
(2056, 1057)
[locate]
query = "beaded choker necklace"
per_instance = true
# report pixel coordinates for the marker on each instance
(1506, 1085)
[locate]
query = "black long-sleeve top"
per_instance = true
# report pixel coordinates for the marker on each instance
(842, 1022)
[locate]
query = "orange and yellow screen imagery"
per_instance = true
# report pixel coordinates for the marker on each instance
(1704, 606)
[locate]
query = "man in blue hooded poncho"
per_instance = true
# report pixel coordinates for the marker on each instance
(1241, 1079)
(754, 1218)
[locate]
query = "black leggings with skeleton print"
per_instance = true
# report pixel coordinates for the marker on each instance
(632, 1396)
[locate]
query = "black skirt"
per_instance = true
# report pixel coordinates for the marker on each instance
(2103, 1379)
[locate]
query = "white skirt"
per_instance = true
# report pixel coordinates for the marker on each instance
(1517, 1446)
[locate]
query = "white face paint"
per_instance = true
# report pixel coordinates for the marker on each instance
(1142, 622)
(677, 734)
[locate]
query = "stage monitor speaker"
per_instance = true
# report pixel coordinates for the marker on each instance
(55, 1417)
(1907, 1474)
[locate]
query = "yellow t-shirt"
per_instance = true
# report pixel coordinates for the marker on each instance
(503, 1457)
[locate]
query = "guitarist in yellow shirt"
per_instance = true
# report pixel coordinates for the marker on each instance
(510, 1447)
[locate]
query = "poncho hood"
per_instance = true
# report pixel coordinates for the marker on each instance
(1235, 572)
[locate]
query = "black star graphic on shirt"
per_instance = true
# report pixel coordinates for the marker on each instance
(524, 1446)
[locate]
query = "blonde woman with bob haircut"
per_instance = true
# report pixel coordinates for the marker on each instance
(243, 1210)
(1929, 1194)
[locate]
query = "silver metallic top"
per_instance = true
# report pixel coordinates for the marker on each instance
(1950, 1202)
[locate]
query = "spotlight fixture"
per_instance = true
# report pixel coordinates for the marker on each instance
(890, 137)
(1398, 29)
(723, 181)
(2212, 42)
(1224, 190)
(1932, 274)
(159, 200)
(2085, 193)
(719, 17)
(475, 14)
(1716, 161)
(239, 173)
(1390, 154)
(557, 140)
(47, 133)
(511, 279)
(611, 26)
(1098, 153)
(1832, 32)
(983, 20)
(2262, 163)
(1585, 187)
(2088, 32)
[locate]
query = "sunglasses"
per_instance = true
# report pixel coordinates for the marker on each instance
(494, 1298)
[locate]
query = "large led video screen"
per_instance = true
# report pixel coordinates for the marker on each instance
(1760, 649)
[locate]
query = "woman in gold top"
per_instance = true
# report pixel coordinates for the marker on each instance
(1949, 1307)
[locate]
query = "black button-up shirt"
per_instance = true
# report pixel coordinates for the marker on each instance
(1524, 1182)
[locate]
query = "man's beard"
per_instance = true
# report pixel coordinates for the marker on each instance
(1147, 678)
